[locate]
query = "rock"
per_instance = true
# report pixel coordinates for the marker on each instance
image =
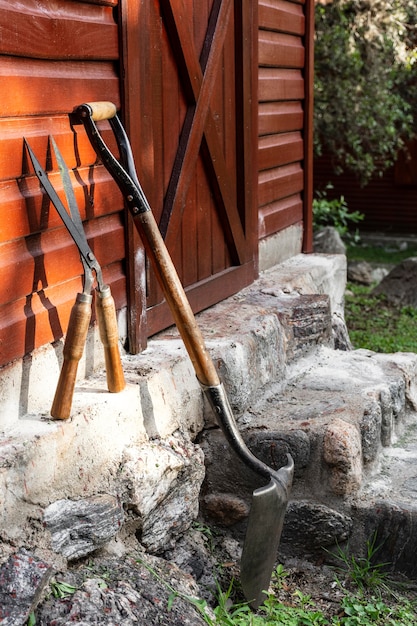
(177, 511)
(143, 590)
(22, 580)
(226, 508)
(342, 452)
(360, 272)
(229, 484)
(340, 333)
(79, 527)
(328, 241)
(199, 553)
(400, 285)
(162, 481)
(272, 447)
(371, 428)
(313, 525)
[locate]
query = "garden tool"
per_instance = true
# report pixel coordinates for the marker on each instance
(81, 311)
(269, 503)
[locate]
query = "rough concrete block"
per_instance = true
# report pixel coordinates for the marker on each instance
(313, 525)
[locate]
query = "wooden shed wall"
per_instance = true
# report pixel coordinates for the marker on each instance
(55, 54)
(52, 58)
(284, 113)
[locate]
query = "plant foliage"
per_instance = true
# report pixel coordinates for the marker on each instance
(365, 82)
(335, 213)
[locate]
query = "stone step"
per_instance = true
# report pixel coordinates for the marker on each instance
(338, 412)
(349, 421)
(387, 504)
(138, 445)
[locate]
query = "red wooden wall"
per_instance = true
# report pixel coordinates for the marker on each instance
(56, 55)
(53, 56)
(285, 109)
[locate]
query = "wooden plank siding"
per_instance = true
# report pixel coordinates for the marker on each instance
(282, 114)
(219, 171)
(53, 56)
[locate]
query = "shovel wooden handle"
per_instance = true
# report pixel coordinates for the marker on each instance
(176, 298)
(109, 335)
(73, 350)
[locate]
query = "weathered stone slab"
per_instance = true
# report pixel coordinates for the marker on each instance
(79, 527)
(22, 580)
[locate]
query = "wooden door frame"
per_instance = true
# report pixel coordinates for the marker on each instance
(131, 13)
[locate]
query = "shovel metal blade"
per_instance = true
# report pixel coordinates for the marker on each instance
(265, 522)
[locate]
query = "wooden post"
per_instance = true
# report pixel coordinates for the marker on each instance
(308, 127)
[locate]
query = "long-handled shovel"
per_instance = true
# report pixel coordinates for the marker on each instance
(269, 503)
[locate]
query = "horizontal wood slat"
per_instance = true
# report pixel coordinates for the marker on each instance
(52, 257)
(280, 117)
(287, 17)
(280, 50)
(24, 209)
(280, 84)
(280, 149)
(58, 30)
(73, 144)
(280, 182)
(54, 87)
(42, 317)
(279, 215)
(110, 3)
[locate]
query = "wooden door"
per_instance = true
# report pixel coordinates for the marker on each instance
(190, 70)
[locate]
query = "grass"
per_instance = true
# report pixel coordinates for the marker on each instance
(365, 600)
(372, 321)
(391, 255)
(376, 324)
(365, 604)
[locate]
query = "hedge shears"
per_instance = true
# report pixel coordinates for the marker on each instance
(81, 311)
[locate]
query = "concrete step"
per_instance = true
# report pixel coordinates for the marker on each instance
(138, 445)
(275, 345)
(349, 420)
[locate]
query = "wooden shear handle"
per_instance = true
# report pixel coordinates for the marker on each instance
(109, 335)
(73, 349)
